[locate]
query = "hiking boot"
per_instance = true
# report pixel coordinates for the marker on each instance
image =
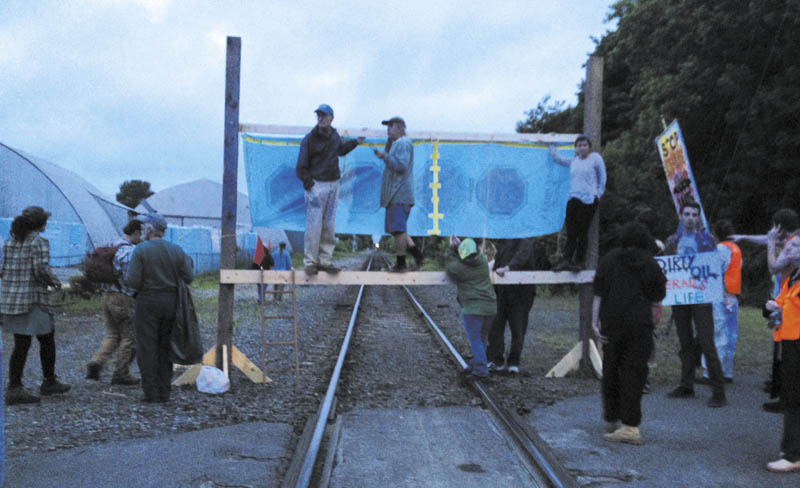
(51, 386)
(329, 268)
(93, 371)
(681, 392)
(125, 380)
(626, 434)
(18, 395)
(717, 401)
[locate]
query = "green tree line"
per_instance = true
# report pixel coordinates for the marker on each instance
(728, 71)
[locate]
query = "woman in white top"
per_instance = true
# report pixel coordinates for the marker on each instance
(587, 173)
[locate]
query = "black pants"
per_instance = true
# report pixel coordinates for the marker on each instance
(578, 219)
(155, 316)
(704, 328)
(47, 356)
(790, 396)
(514, 304)
(625, 372)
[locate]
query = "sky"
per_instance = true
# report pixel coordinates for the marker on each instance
(115, 90)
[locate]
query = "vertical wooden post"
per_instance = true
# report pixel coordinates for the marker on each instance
(227, 258)
(592, 117)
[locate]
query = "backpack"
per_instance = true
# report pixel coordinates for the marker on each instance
(98, 265)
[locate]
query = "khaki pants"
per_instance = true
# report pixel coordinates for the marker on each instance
(321, 202)
(118, 310)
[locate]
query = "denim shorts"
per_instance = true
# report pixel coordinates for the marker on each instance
(396, 217)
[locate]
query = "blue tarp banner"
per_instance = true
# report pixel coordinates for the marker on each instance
(478, 189)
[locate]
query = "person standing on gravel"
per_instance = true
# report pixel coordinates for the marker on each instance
(397, 190)
(25, 304)
(470, 271)
(691, 239)
(318, 169)
(628, 289)
(154, 268)
(119, 308)
(514, 304)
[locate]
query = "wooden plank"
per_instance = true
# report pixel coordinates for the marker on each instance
(248, 368)
(241, 276)
(572, 361)
(189, 376)
(297, 130)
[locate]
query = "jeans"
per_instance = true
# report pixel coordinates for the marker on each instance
(704, 328)
(321, 201)
(726, 332)
(578, 219)
(477, 329)
(514, 304)
(155, 316)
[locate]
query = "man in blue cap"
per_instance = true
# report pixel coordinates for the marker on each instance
(318, 169)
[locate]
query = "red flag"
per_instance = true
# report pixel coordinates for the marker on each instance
(260, 252)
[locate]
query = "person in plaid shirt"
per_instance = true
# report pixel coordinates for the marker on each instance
(25, 303)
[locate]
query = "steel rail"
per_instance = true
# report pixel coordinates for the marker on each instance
(517, 433)
(310, 459)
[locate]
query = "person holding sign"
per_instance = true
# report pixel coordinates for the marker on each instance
(628, 289)
(691, 239)
(587, 182)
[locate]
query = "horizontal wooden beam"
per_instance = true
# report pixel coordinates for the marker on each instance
(241, 276)
(297, 130)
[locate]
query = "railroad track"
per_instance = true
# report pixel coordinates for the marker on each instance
(389, 333)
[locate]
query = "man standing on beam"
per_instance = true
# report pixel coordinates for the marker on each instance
(318, 169)
(397, 190)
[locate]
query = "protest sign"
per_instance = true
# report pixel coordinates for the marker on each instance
(672, 149)
(692, 278)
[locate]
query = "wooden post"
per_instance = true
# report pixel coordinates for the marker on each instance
(227, 258)
(592, 118)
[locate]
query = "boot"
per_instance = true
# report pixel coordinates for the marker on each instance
(16, 395)
(51, 386)
(93, 371)
(626, 434)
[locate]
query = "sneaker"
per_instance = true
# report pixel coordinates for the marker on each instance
(311, 269)
(717, 401)
(626, 434)
(52, 386)
(93, 371)
(612, 426)
(783, 466)
(125, 380)
(513, 369)
(329, 268)
(495, 368)
(18, 395)
(681, 392)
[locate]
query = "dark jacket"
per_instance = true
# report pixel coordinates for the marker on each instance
(629, 281)
(518, 255)
(319, 156)
(474, 283)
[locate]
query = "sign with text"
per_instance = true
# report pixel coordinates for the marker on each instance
(692, 278)
(680, 179)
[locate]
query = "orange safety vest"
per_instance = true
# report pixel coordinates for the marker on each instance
(733, 275)
(790, 316)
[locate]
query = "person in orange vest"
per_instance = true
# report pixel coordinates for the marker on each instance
(726, 320)
(787, 304)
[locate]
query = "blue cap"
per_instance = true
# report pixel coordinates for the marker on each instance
(154, 220)
(324, 108)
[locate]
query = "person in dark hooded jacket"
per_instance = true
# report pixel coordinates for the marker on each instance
(470, 271)
(628, 288)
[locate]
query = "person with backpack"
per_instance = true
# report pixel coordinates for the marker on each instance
(25, 304)
(155, 267)
(118, 310)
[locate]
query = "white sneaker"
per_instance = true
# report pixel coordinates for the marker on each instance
(494, 368)
(513, 369)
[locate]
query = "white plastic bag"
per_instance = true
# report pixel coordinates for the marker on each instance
(212, 380)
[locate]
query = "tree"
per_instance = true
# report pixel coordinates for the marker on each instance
(728, 71)
(132, 192)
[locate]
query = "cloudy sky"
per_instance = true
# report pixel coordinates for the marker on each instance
(134, 89)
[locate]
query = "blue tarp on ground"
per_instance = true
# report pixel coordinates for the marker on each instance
(497, 190)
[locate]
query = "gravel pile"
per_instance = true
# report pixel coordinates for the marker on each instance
(404, 364)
